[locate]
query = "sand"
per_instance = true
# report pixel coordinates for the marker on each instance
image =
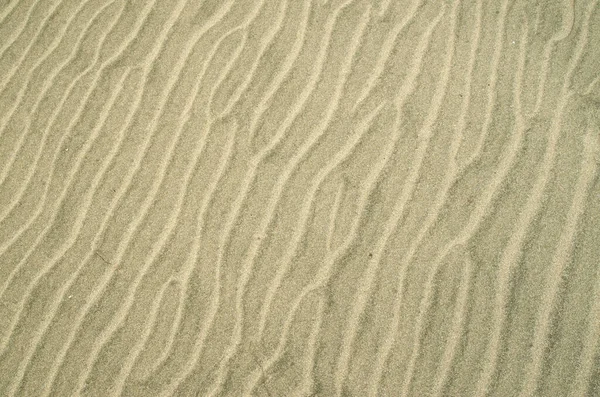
(299, 198)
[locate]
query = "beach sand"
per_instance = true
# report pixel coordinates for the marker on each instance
(299, 198)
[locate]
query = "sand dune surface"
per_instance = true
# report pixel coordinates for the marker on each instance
(300, 198)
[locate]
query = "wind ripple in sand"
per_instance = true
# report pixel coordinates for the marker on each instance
(309, 198)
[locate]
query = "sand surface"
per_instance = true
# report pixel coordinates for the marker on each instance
(299, 198)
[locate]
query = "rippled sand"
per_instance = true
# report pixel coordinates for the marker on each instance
(299, 198)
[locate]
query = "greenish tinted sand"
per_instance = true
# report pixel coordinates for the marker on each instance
(299, 198)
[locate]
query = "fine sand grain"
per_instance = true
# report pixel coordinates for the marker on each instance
(300, 198)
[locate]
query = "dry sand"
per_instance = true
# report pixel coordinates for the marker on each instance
(299, 198)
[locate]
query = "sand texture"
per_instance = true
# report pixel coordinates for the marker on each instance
(300, 198)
